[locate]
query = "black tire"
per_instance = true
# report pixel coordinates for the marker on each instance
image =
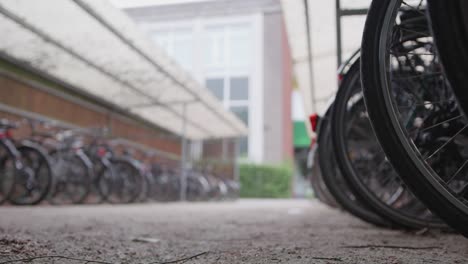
(147, 187)
(101, 181)
(35, 178)
(400, 206)
(336, 183)
(128, 181)
(8, 171)
(399, 150)
(75, 186)
(198, 187)
(82, 181)
(449, 22)
(167, 186)
(319, 187)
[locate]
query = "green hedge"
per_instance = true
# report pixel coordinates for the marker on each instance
(263, 181)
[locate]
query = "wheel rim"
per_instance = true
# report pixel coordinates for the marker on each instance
(376, 180)
(416, 154)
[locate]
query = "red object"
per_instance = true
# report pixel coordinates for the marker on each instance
(314, 121)
(102, 152)
(6, 134)
(340, 78)
(9, 134)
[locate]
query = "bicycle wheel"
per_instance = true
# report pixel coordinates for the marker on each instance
(336, 183)
(128, 181)
(73, 173)
(414, 112)
(198, 187)
(33, 180)
(8, 171)
(449, 23)
(321, 191)
(167, 185)
(147, 188)
(364, 163)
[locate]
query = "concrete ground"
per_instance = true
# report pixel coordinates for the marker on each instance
(247, 231)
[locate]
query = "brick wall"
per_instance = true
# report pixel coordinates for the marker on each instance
(33, 97)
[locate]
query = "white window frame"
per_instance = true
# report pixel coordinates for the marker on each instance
(255, 74)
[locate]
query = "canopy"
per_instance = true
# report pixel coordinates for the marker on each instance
(312, 38)
(94, 47)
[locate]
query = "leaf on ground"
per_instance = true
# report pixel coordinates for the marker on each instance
(146, 240)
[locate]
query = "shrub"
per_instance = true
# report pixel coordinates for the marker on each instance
(264, 181)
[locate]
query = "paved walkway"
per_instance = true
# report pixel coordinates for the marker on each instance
(248, 231)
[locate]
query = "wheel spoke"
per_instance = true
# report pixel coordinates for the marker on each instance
(428, 104)
(417, 9)
(418, 76)
(441, 123)
(446, 143)
(454, 176)
(417, 33)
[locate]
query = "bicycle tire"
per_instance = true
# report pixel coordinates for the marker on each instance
(337, 185)
(8, 171)
(350, 87)
(130, 183)
(398, 149)
(318, 186)
(41, 167)
(451, 38)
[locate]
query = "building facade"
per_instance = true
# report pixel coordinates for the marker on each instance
(239, 51)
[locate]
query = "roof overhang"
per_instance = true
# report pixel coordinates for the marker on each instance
(95, 47)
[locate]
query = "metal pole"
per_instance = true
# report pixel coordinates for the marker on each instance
(224, 149)
(310, 56)
(339, 47)
(183, 160)
(236, 160)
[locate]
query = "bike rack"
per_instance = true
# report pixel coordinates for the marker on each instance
(30, 115)
(183, 158)
(35, 116)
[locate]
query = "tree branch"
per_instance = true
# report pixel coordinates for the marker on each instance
(321, 258)
(183, 260)
(391, 247)
(54, 257)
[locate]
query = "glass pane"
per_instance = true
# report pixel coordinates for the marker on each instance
(239, 88)
(244, 146)
(242, 112)
(216, 86)
(177, 44)
(182, 49)
(240, 44)
(162, 39)
(215, 47)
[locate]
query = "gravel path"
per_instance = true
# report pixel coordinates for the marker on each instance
(247, 231)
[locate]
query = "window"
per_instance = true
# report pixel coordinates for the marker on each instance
(242, 112)
(240, 45)
(162, 38)
(228, 47)
(239, 89)
(227, 63)
(243, 145)
(215, 47)
(219, 53)
(216, 86)
(182, 48)
(178, 44)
